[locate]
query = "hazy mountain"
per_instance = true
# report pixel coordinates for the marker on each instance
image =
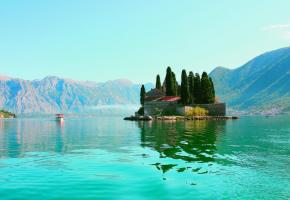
(261, 84)
(53, 94)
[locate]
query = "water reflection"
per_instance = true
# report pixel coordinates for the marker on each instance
(19, 136)
(108, 158)
(59, 140)
(14, 139)
(189, 141)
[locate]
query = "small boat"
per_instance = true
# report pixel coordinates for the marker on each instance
(59, 117)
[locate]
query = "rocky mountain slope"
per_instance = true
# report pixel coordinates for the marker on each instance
(53, 94)
(261, 84)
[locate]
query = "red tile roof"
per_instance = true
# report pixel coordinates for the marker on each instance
(170, 98)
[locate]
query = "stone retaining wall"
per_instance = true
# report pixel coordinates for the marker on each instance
(157, 107)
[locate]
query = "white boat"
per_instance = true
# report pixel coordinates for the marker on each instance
(59, 117)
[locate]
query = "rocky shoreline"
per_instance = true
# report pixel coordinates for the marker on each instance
(139, 118)
(176, 118)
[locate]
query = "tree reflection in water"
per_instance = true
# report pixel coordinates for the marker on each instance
(187, 141)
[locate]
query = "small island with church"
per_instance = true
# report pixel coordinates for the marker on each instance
(193, 99)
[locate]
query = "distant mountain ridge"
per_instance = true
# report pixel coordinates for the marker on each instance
(53, 94)
(261, 84)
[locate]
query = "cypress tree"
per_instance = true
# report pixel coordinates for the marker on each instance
(142, 95)
(206, 91)
(184, 88)
(169, 83)
(196, 91)
(158, 83)
(212, 99)
(175, 84)
(191, 87)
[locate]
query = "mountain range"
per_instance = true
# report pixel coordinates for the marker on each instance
(54, 94)
(260, 85)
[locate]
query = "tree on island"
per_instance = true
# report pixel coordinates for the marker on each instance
(207, 89)
(158, 83)
(212, 99)
(169, 83)
(184, 88)
(175, 84)
(197, 89)
(191, 87)
(142, 95)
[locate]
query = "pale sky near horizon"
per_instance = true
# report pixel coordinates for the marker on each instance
(104, 40)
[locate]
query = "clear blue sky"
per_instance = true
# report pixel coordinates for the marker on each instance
(110, 39)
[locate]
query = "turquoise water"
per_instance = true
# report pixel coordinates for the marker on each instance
(108, 158)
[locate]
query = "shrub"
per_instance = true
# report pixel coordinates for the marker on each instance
(196, 111)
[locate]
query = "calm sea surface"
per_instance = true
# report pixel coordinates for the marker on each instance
(108, 158)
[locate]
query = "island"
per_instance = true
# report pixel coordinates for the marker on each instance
(193, 99)
(6, 114)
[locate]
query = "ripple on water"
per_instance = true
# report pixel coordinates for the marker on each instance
(112, 159)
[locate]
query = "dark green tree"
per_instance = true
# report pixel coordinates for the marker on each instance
(206, 89)
(184, 88)
(158, 83)
(191, 87)
(175, 84)
(142, 95)
(197, 89)
(169, 84)
(212, 96)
